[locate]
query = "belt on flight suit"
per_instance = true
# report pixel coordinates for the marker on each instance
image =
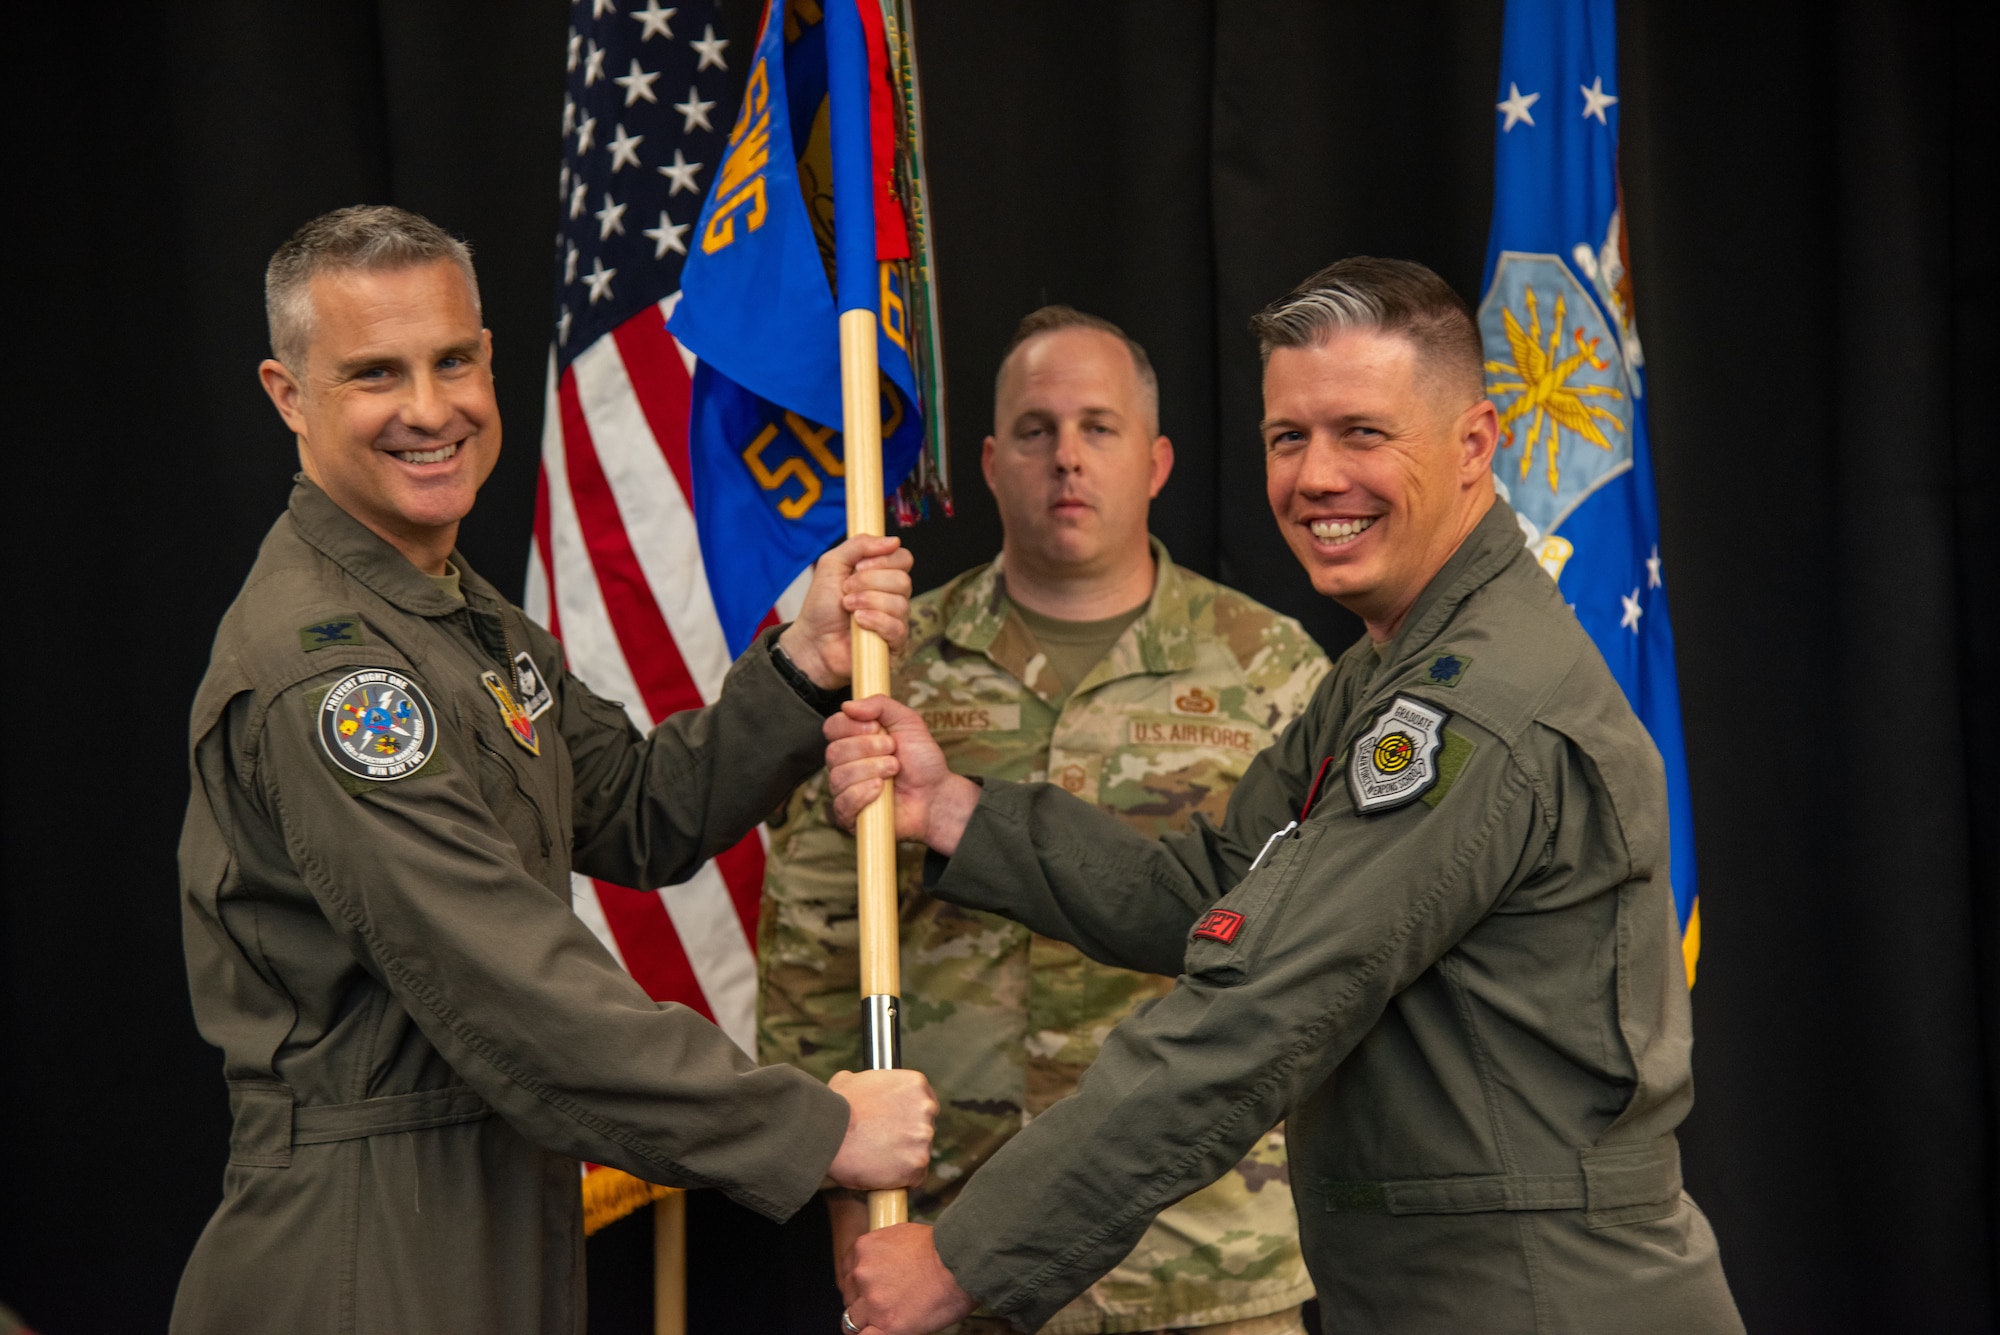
(1617, 1184)
(269, 1120)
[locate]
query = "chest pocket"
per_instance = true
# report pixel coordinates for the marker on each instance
(510, 801)
(1227, 941)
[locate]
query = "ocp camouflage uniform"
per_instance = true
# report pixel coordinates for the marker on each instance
(1005, 1021)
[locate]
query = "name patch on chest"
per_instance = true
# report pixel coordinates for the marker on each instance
(1396, 760)
(972, 718)
(1186, 732)
(376, 724)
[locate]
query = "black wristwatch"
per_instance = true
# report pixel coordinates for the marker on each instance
(825, 701)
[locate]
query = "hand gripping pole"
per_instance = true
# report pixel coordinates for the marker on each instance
(875, 831)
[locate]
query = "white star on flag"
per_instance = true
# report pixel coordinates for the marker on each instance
(682, 175)
(695, 111)
(625, 149)
(593, 65)
(1595, 100)
(569, 266)
(667, 236)
(1653, 569)
(1516, 106)
(575, 50)
(569, 117)
(637, 83)
(562, 326)
(599, 279)
(1630, 621)
(610, 218)
(599, 8)
(655, 20)
(586, 135)
(576, 199)
(710, 46)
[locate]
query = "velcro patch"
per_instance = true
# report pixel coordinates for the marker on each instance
(376, 724)
(1219, 925)
(334, 630)
(1446, 669)
(1395, 761)
(535, 694)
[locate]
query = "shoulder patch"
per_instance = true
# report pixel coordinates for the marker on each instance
(536, 697)
(1396, 760)
(375, 723)
(1446, 669)
(1219, 925)
(334, 630)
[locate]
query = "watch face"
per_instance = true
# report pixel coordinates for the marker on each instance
(376, 724)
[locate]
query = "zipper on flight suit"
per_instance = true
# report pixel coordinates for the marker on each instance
(511, 677)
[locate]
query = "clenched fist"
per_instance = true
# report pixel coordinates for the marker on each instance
(888, 1140)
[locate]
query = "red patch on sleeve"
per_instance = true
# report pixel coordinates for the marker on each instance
(1219, 925)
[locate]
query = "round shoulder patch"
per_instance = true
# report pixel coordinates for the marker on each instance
(376, 724)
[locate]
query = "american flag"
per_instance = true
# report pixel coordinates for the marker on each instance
(616, 568)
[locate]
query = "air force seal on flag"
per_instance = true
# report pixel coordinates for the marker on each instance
(1396, 760)
(376, 724)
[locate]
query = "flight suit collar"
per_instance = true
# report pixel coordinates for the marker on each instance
(1493, 545)
(979, 618)
(358, 550)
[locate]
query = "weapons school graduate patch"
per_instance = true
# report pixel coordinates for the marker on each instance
(536, 697)
(519, 724)
(1395, 761)
(376, 724)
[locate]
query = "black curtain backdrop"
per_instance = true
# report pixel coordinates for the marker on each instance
(1810, 192)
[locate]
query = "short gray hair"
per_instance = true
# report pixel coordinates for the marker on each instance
(1049, 319)
(362, 237)
(1392, 296)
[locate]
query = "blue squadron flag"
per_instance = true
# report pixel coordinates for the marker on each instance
(1565, 368)
(761, 293)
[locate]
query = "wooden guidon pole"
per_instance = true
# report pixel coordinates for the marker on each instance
(875, 831)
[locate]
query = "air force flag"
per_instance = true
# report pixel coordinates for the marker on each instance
(1565, 369)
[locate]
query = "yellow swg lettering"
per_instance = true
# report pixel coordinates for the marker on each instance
(794, 469)
(893, 315)
(740, 186)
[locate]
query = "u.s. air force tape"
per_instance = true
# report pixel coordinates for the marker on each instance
(376, 724)
(1396, 760)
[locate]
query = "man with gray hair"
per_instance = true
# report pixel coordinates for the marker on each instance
(393, 775)
(1434, 929)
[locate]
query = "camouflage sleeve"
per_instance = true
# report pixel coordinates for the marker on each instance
(1303, 664)
(1119, 896)
(808, 961)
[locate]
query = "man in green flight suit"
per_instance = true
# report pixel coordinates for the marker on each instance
(1083, 656)
(1434, 930)
(393, 774)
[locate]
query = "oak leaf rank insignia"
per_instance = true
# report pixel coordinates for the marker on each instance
(1396, 760)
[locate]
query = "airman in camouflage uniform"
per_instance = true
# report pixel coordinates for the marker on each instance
(1004, 1021)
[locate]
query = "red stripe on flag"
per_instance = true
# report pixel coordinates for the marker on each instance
(742, 869)
(652, 949)
(892, 240)
(650, 652)
(660, 383)
(545, 548)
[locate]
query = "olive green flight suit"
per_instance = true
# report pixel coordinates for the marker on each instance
(420, 1037)
(1469, 1004)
